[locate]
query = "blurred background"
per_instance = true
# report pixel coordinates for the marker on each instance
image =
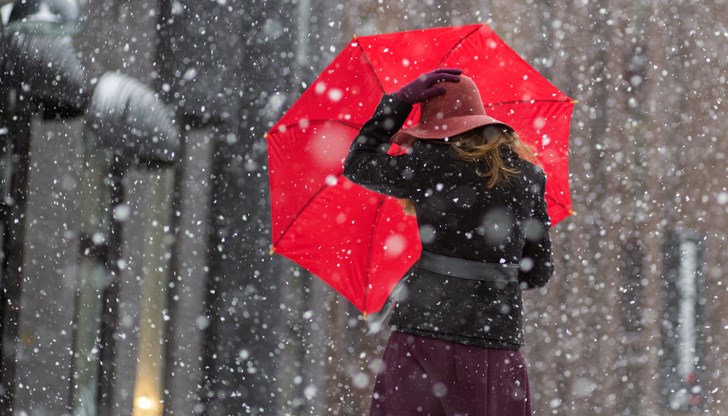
(136, 277)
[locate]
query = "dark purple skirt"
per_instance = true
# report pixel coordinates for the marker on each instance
(427, 376)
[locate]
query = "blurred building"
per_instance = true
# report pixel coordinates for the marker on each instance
(209, 323)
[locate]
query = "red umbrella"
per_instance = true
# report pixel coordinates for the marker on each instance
(358, 241)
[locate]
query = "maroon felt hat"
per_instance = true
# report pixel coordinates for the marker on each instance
(458, 110)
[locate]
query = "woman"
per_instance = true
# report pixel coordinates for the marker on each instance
(484, 229)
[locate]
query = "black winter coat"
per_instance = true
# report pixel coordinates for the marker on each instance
(458, 216)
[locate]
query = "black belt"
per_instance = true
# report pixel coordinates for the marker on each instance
(468, 269)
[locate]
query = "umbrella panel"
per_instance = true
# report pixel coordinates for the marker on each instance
(500, 73)
(346, 91)
(302, 161)
(333, 238)
(544, 126)
(398, 58)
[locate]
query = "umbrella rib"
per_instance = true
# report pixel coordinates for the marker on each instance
(370, 65)
(369, 252)
(321, 121)
(527, 102)
(556, 202)
(447, 55)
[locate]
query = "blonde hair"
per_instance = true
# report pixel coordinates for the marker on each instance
(485, 147)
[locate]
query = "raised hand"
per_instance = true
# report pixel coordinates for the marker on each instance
(424, 87)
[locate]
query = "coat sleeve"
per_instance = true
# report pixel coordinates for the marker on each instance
(368, 163)
(536, 265)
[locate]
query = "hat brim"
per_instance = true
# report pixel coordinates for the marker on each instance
(445, 128)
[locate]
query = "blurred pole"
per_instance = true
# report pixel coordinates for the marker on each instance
(543, 58)
(158, 241)
(293, 293)
(110, 295)
(319, 348)
(6, 150)
(5, 163)
(16, 183)
(302, 41)
(95, 275)
(243, 302)
(174, 289)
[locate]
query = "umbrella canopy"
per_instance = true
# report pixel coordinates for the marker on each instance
(360, 242)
